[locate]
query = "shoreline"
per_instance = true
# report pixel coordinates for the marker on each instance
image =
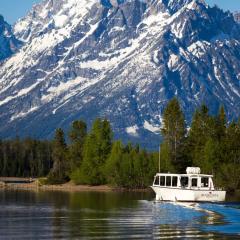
(35, 185)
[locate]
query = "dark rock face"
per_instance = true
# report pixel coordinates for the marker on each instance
(8, 43)
(237, 17)
(122, 60)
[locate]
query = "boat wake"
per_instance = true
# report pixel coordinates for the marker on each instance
(207, 217)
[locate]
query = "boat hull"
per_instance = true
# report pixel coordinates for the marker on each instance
(188, 195)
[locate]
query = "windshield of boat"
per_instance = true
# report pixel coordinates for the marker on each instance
(162, 180)
(166, 181)
(156, 181)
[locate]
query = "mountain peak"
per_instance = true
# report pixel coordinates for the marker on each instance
(51, 15)
(175, 5)
(122, 60)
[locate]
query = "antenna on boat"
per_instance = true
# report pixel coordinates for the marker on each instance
(159, 159)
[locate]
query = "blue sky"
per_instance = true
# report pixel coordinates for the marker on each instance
(14, 9)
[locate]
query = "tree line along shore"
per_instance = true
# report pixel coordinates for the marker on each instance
(94, 158)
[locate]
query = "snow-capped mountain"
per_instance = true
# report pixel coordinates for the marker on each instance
(8, 43)
(122, 60)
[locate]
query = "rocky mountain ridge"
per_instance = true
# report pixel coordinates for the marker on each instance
(122, 60)
(237, 16)
(8, 42)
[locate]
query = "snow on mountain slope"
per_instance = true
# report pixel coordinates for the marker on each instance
(118, 59)
(52, 18)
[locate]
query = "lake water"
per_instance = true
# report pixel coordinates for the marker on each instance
(58, 215)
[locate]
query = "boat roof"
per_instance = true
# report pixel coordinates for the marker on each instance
(184, 175)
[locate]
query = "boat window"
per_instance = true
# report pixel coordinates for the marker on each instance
(194, 182)
(204, 182)
(174, 181)
(184, 181)
(168, 181)
(156, 182)
(162, 181)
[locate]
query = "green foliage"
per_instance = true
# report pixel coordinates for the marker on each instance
(94, 158)
(113, 164)
(211, 144)
(174, 134)
(96, 150)
(42, 181)
(25, 158)
(77, 136)
(129, 166)
(215, 147)
(202, 139)
(228, 176)
(166, 163)
(76, 176)
(209, 157)
(60, 170)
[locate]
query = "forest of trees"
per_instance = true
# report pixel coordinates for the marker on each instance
(210, 143)
(94, 157)
(25, 158)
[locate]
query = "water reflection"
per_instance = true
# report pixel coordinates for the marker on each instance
(58, 215)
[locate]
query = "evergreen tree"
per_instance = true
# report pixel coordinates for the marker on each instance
(113, 164)
(207, 139)
(130, 167)
(165, 159)
(210, 157)
(59, 172)
(106, 139)
(174, 132)
(91, 167)
(77, 135)
(221, 123)
(199, 134)
(144, 169)
(199, 130)
(229, 173)
(211, 144)
(96, 150)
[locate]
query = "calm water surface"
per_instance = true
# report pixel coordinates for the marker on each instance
(57, 215)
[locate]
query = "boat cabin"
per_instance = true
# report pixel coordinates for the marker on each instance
(191, 187)
(190, 180)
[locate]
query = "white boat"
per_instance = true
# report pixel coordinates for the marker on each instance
(189, 187)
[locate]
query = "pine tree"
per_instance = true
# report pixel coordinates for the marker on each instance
(113, 163)
(77, 135)
(165, 158)
(207, 139)
(59, 172)
(144, 169)
(210, 157)
(174, 131)
(199, 130)
(126, 169)
(106, 139)
(199, 133)
(222, 119)
(229, 173)
(96, 151)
